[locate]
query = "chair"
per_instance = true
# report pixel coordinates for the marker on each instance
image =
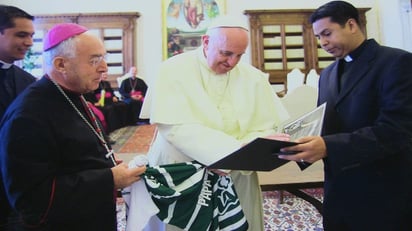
(300, 100)
(312, 79)
(289, 177)
(119, 83)
(295, 78)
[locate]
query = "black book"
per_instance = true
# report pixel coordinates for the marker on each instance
(259, 155)
(262, 154)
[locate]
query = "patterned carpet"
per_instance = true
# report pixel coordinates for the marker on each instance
(293, 214)
(133, 139)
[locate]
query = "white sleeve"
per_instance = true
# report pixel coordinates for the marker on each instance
(198, 142)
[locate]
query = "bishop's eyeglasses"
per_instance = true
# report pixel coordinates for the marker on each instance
(95, 60)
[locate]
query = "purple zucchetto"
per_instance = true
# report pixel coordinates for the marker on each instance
(61, 32)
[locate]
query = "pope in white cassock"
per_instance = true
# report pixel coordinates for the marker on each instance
(207, 104)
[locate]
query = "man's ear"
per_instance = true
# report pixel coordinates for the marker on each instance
(205, 39)
(59, 64)
(352, 24)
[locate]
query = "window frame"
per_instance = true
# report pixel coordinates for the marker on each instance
(98, 22)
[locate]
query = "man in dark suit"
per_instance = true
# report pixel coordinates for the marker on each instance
(366, 143)
(16, 37)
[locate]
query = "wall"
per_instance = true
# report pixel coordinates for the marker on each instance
(149, 34)
(395, 22)
(149, 30)
(405, 12)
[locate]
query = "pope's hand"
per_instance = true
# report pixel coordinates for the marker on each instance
(279, 136)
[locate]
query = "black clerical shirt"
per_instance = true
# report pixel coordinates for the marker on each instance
(13, 81)
(345, 64)
(7, 89)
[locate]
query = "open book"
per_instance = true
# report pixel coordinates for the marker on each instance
(261, 154)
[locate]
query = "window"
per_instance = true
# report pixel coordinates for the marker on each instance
(118, 32)
(283, 39)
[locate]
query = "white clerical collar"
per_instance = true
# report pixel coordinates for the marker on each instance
(348, 59)
(5, 65)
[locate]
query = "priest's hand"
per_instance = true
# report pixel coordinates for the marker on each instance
(310, 149)
(124, 176)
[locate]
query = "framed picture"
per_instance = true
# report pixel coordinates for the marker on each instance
(185, 21)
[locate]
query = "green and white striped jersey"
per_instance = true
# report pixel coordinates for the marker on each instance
(191, 197)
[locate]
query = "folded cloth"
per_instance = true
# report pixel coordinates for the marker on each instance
(140, 207)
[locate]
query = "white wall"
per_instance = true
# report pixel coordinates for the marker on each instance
(395, 24)
(405, 10)
(149, 30)
(149, 33)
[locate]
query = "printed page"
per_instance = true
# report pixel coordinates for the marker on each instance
(309, 124)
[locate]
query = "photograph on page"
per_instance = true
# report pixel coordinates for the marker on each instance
(309, 124)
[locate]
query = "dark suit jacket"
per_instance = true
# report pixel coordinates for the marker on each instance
(368, 135)
(21, 80)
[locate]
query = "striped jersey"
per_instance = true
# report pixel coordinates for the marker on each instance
(191, 197)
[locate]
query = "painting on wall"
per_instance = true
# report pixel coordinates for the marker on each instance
(185, 21)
